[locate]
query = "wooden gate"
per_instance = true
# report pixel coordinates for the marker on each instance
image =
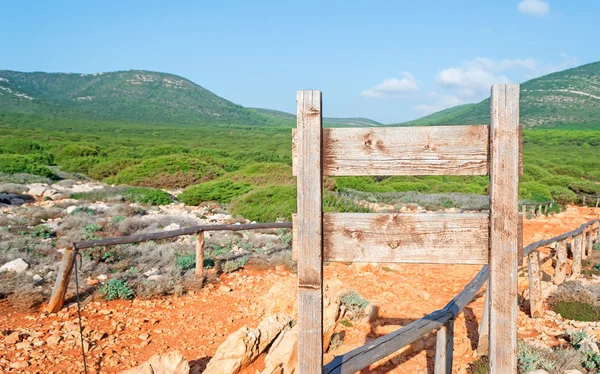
(439, 238)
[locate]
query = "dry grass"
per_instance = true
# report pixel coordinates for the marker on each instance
(575, 292)
(20, 292)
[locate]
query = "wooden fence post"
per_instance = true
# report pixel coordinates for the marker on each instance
(504, 221)
(59, 291)
(560, 271)
(540, 210)
(533, 210)
(536, 298)
(199, 254)
(577, 247)
(589, 245)
(310, 232)
(597, 202)
(444, 346)
(524, 209)
(484, 326)
(583, 200)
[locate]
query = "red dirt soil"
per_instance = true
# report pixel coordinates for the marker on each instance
(196, 324)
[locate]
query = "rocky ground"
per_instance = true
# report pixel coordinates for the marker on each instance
(123, 334)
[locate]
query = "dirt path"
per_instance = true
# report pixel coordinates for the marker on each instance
(124, 334)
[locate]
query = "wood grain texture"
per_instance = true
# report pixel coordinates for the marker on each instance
(590, 242)
(62, 281)
(484, 326)
(504, 221)
(520, 243)
(536, 298)
(427, 150)
(577, 247)
(310, 232)
(440, 238)
(560, 270)
(444, 346)
(200, 255)
(360, 358)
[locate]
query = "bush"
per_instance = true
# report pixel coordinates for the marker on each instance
(230, 266)
(83, 210)
(569, 170)
(534, 191)
(13, 164)
(77, 150)
(264, 174)
(562, 195)
(222, 191)
(105, 169)
(535, 172)
(117, 289)
(585, 187)
(19, 146)
(150, 196)
(354, 303)
(266, 204)
(577, 311)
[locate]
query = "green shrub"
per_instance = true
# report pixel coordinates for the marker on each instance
(19, 146)
(109, 168)
(230, 266)
(534, 191)
(164, 151)
(577, 311)
(535, 172)
(569, 170)
(222, 191)
(108, 255)
(83, 210)
(263, 174)
(354, 303)
(558, 180)
(77, 150)
(562, 195)
(585, 187)
(333, 202)
(42, 232)
(150, 196)
(13, 164)
(117, 219)
(117, 289)
(266, 204)
(186, 261)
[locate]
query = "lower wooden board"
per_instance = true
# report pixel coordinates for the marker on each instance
(438, 238)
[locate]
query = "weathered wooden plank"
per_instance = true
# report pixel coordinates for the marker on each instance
(536, 298)
(504, 189)
(427, 150)
(577, 248)
(360, 358)
(589, 246)
(542, 243)
(484, 326)
(200, 254)
(560, 270)
(444, 345)
(62, 281)
(440, 238)
(310, 232)
(520, 243)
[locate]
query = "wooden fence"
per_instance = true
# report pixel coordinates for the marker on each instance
(536, 209)
(66, 268)
(589, 198)
(443, 320)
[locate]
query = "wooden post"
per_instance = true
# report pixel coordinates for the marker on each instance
(540, 210)
(444, 346)
(533, 210)
(310, 232)
(520, 243)
(590, 241)
(200, 254)
(524, 208)
(504, 221)
(597, 202)
(536, 298)
(577, 247)
(546, 209)
(62, 281)
(484, 326)
(560, 271)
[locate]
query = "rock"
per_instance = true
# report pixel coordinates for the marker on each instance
(170, 363)
(37, 278)
(13, 338)
(102, 277)
(23, 345)
(243, 346)
(37, 191)
(424, 295)
(144, 336)
(151, 272)
(172, 226)
(19, 265)
(154, 277)
(19, 364)
(370, 313)
(539, 371)
(283, 354)
(572, 371)
(53, 340)
(70, 209)
(224, 288)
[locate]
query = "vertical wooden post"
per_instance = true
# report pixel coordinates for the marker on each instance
(560, 271)
(590, 241)
(310, 232)
(577, 247)
(484, 325)
(597, 202)
(200, 254)
(533, 210)
(504, 198)
(62, 281)
(540, 210)
(444, 345)
(520, 243)
(524, 208)
(583, 200)
(536, 298)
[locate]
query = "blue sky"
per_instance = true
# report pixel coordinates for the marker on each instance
(386, 60)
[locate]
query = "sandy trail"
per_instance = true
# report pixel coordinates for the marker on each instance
(197, 323)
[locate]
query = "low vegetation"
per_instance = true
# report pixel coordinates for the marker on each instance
(577, 301)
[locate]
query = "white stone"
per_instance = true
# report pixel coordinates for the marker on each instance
(37, 278)
(151, 272)
(171, 227)
(19, 265)
(36, 191)
(539, 371)
(154, 277)
(102, 277)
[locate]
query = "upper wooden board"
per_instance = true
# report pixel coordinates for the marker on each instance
(434, 150)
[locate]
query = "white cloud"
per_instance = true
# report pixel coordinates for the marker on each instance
(440, 102)
(392, 87)
(536, 8)
(474, 77)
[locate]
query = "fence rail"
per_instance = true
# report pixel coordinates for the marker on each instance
(64, 274)
(582, 241)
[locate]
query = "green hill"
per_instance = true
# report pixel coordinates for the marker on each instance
(566, 99)
(129, 96)
(327, 121)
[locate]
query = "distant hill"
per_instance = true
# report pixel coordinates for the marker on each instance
(327, 121)
(133, 96)
(566, 99)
